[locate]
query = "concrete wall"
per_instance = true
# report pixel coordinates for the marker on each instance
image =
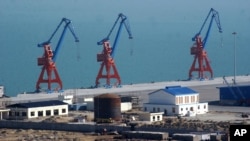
(75, 127)
(83, 127)
(186, 137)
(145, 135)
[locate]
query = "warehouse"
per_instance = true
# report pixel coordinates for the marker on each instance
(37, 109)
(235, 95)
(175, 100)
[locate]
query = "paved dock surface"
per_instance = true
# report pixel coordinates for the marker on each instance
(208, 90)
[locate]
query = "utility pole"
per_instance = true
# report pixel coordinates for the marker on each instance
(234, 81)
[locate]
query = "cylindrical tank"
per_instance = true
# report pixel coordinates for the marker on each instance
(107, 106)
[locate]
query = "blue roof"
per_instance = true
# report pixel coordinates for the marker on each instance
(37, 104)
(178, 90)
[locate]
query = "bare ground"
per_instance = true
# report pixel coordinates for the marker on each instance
(47, 135)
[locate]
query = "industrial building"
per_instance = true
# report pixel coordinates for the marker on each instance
(235, 95)
(175, 100)
(37, 109)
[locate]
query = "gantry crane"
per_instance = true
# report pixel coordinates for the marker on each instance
(198, 48)
(107, 55)
(47, 61)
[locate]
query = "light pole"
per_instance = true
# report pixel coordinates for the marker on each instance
(234, 33)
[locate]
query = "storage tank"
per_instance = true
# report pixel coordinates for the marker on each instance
(106, 107)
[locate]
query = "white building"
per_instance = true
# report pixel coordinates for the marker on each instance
(38, 109)
(152, 117)
(66, 98)
(126, 106)
(175, 100)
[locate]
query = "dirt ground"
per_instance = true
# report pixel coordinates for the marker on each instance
(46, 135)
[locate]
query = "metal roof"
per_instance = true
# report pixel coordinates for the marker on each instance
(37, 104)
(234, 92)
(178, 90)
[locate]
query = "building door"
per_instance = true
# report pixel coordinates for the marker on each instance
(165, 112)
(191, 108)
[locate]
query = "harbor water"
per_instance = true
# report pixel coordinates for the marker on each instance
(159, 51)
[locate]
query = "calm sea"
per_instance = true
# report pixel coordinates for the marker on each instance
(159, 51)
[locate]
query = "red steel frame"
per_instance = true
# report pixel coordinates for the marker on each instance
(201, 57)
(50, 68)
(108, 63)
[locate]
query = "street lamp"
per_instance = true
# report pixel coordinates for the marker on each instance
(234, 81)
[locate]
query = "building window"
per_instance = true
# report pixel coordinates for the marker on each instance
(158, 118)
(192, 99)
(154, 109)
(180, 100)
(198, 106)
(32, 114)
(56, 112)
(158, 109)
(24, 114)
(176, 100)
(173, 110)
(16, 113)
(63, 110)
(40, 113)
(186, 99)
(145, 108)
(153, 118)
(48, 112)
(191, 109)
(181, 109)
(205, 107)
